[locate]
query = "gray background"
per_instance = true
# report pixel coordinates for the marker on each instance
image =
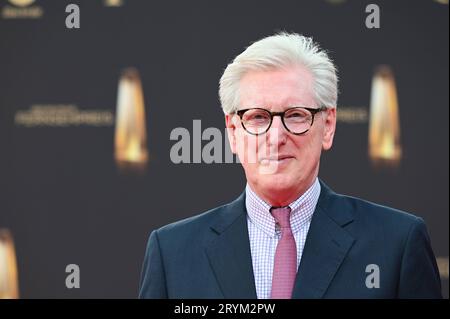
(61, 193)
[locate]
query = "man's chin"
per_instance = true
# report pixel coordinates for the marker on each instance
(279, 183)
(273, 168)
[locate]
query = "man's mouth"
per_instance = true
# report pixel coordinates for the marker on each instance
(275, 159)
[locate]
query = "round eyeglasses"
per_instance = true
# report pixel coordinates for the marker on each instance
(296, 120)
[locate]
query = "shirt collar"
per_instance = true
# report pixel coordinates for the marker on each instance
(302, 209)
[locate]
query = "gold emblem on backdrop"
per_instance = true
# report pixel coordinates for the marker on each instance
(22, 9)
(384, 122)
(21, 3)
(442, 263)
(130, 135)
(9, 287)
(113, 3)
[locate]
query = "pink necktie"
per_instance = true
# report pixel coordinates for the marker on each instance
(285, 265)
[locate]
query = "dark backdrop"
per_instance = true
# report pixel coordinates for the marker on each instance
(61, 192)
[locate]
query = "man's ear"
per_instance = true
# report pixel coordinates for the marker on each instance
(231, 131)
(329, 128)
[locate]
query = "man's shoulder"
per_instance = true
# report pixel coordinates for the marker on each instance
(198, 220)
(196, 225)
(372, 222)
(369, 211)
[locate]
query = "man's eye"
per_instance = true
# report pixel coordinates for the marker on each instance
(259, 117)
(296, 115)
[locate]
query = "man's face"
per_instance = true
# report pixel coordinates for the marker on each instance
(279, 165)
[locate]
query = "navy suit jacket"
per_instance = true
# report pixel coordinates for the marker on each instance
(208, 255)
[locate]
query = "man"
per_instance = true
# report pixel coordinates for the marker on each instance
(288, 235)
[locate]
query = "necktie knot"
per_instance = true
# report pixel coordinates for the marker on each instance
(282, 216)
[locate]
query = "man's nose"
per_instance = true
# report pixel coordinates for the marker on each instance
(277, 133)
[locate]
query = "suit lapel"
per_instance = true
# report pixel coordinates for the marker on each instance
(229, 252)
(326, 246)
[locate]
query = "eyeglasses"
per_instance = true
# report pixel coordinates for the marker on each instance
(296, 120)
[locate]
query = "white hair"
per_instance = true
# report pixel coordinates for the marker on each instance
(279, 51)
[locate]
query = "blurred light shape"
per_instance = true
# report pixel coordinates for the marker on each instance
(445, 2)
(21, 3)
(336, 2)
(442, 263)
(9, 286)
(384, 124)
(113, 3)
(130, 136)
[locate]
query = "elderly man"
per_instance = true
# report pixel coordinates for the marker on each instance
(288, 235)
